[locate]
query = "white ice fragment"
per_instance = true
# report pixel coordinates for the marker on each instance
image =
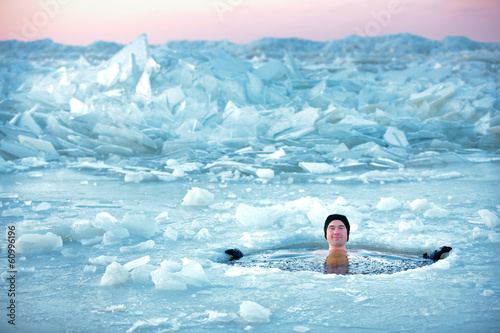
(178, 173)
(165, 280)
(139, 225)
(254, 313)
(198, 197)
(144, 246)
(171, 234)
(103, 260)
(13, 212)
(435, 212)
(266, 174)
(489, 218)
(202, 236)
(256, 216)
(488, 293)
(38, 144)
(395, 137)
(300, 329)
(387, 204)
(194, 274)
(134, 177)
(136, 263)
(43, 206)
(276, 155)
(404, 226)
(162, 217)
(35, 243)
(144, 85)
(340, 201)
(317, 214)
(107, 77)
(115, 274)
(76, 106)
(318, 168)
(104, 221)
(171, 266)
(419, 205)
(414, 225)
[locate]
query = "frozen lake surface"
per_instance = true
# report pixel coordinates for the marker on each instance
(127, 171)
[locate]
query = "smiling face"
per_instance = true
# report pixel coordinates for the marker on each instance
(336, 235)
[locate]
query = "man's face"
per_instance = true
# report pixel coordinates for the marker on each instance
(336, 234)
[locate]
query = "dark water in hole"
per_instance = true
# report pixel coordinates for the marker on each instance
(357, 261)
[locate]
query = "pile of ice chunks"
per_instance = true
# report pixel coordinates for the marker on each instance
(286, 105)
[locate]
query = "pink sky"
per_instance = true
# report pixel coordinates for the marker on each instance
(79, 22)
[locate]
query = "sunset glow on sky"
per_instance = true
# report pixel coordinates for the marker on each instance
(78, 22)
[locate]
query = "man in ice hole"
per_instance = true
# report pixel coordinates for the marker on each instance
(337, 231)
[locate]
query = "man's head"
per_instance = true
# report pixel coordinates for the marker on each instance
(337, 217)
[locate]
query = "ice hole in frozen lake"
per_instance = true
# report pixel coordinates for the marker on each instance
(314, 257)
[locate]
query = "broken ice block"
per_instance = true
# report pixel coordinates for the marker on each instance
(317, 214)
(254, 313)
(395, 137)
(17, 149)
(136, 263)
(40, 145)
(35, 243)
(171, 234)
(104, 221)
(387, 204)
(198, 197)
(166, 280)
(115, 274)
(194, 274)
(318, 168)
(419, 205)
(489, 218)
(265, 174)
(42, 206)
(162, 217)
(202, 236)
(256, 216)
(144, 85)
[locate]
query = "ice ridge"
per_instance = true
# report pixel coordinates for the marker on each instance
(291, 106)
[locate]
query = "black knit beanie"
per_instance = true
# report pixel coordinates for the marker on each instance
(339, 217)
